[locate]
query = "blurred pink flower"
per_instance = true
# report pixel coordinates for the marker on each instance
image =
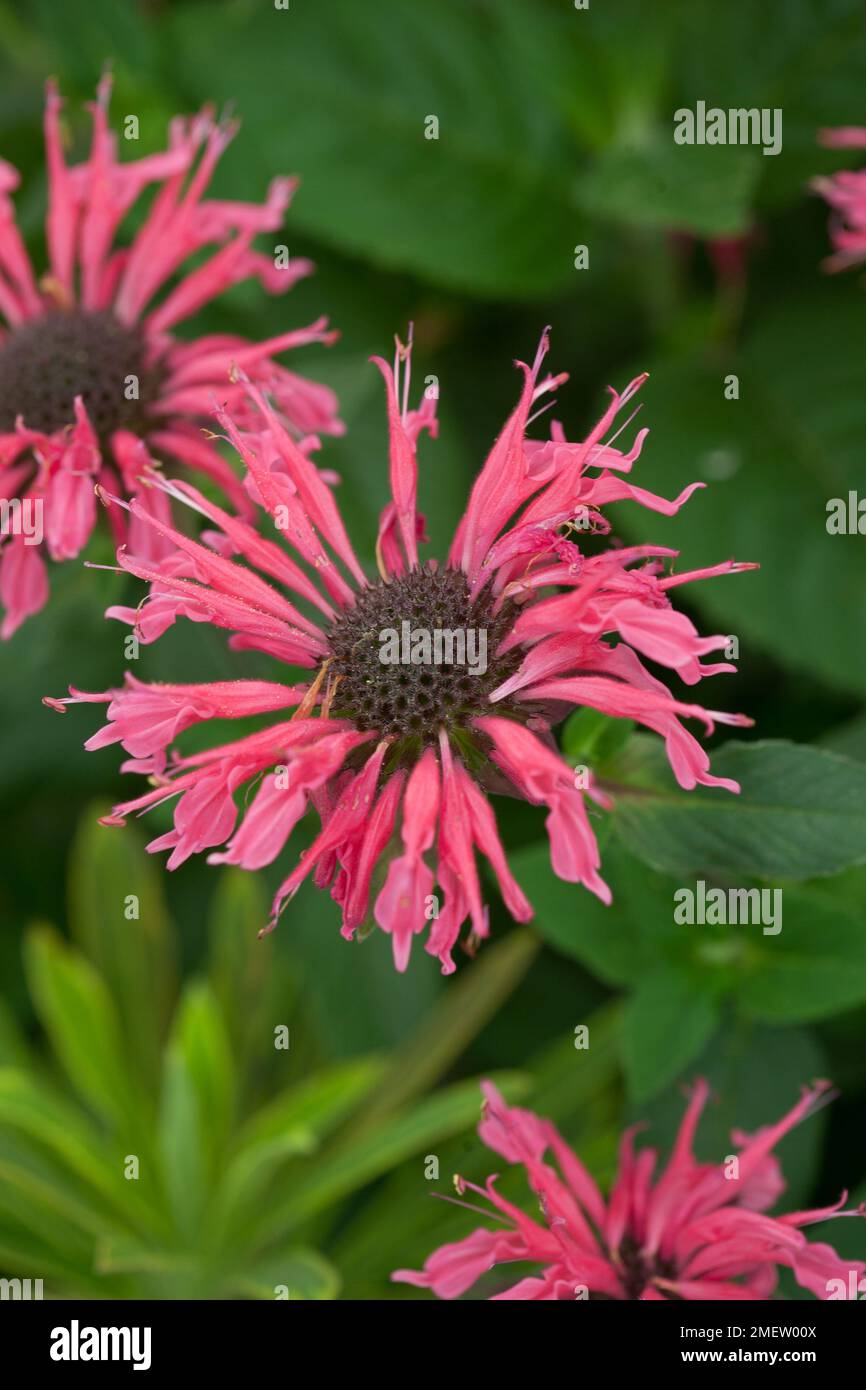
(91, 378)
(845, 192)
(697, 1232)
(396, 757)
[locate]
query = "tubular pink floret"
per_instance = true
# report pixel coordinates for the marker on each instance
(699, 1232)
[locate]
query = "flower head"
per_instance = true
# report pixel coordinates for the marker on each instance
(698, 1231)
(397, 740)
(91, 377)
(845, 193)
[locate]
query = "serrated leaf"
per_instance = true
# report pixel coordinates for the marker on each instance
(801, 812)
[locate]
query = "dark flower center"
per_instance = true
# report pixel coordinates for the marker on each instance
(414, 654)
(50, 360)
(636, 1271)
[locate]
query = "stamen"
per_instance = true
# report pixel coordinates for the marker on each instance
(309, 700)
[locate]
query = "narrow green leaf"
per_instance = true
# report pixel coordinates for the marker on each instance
(293, 1124)
(291, 1273)
(117, 916)
(86, 1157)
(196, 1107)
(182, 1145)
(239, 963)
(455, 1019)
(349, 1168)
(200, 1036)
(80, 1017)
(314, 1107)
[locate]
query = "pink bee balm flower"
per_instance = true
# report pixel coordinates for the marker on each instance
(845, 193)
(394, 748)
(697, 1232)
(91, 377)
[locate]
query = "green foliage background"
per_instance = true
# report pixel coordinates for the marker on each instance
(306, 1167)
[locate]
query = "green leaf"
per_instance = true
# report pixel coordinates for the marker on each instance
(14, 1051)
(199, 1098)
(618, 943)
(315, 1106)
(69, 1139)
(449, 1027)
(292, 1124)
(801, 813)
(202, 1037)
(755, 1074)
(302, 1273)
(590, 735)
(771, 459)
(111, 876)
(481, 208)
(182, 1145)
(356, 1164)
(652, 182)
(37, 1259)
(666, 1023)
(815, 966)
(44, 1198)
(79, 1015)
(239, 964)
(116, 1255)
